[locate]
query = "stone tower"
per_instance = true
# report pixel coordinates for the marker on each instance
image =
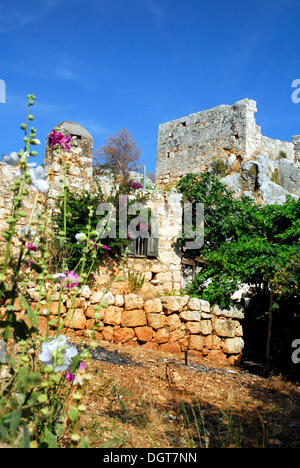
(80, 157)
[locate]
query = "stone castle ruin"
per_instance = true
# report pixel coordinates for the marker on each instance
(227, 141)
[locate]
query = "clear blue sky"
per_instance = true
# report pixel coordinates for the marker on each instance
(109, 64)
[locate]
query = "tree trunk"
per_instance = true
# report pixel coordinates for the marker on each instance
(267, 367)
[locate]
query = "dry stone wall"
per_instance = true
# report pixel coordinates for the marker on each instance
(172, 324)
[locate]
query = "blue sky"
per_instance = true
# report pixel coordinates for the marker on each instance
(109, 64)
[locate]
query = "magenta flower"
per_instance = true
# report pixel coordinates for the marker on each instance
(31, 246)
(70, 280)
(93, 242)
(29, 263)
(69, 376)
(105, 247)
(59, 140)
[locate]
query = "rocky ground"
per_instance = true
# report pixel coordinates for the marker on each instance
(144, 398)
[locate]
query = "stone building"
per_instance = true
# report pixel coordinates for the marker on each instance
(228, 138)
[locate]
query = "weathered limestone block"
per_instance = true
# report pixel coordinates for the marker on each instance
(190, 316)
(76, 319)
(174, 303)
(90, 312)
(113, 315)
(225, 328)
(196, 342)
(53, 308)
(198, 304)
(233, 345)
(172, 348)
(85, 292)
(99, 297)
(233, 312)
(122, 335)
(156, 321)
(107, 333)
(133, 318)
(176, 335)
(205, 327)
(144, 333)
(162, 335)
(153, 306)
(173, 321)
(193, 327)
(119, 300)
(133, 301)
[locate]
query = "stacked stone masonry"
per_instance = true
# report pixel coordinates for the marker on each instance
(192, 143)
(173, 324)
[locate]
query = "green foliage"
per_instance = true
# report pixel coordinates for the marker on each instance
(219, 168)
(136, 280)
(244, 243)
(282, 154)
(275, 176)
(77, 207)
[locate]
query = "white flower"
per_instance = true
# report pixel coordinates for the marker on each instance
(13, 159)
(57, 350)
(80, 237)
(59, 276)
(26, 233)
(38, 179)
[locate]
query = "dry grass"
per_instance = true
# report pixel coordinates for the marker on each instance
(165, 404)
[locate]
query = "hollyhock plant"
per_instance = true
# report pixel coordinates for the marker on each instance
(58, 353)
(38, 179)
(80, 237)
(70, 280)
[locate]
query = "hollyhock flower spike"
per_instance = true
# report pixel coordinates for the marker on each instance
(38, 179)
(58, 353)
(80, 237)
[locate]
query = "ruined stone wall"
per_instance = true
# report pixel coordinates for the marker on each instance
(191, 144)
(172, 324)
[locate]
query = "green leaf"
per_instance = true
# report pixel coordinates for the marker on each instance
(75, 364)
(15, 421)
(50, 439)
(73, 413)
(32, 316)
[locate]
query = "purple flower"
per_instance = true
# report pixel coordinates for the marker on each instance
(31, 246)
(70, 280)
(104, 247)
(69, 376)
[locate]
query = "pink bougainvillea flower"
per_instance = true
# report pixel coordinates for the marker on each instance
(70, 280)
(105, 247)
(31, 246)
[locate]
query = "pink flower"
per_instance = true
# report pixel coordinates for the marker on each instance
(28, 264)
(58, 139)
(104, 247)
(69, 376)
(93, 242)
(31, 246)
(70, 280)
